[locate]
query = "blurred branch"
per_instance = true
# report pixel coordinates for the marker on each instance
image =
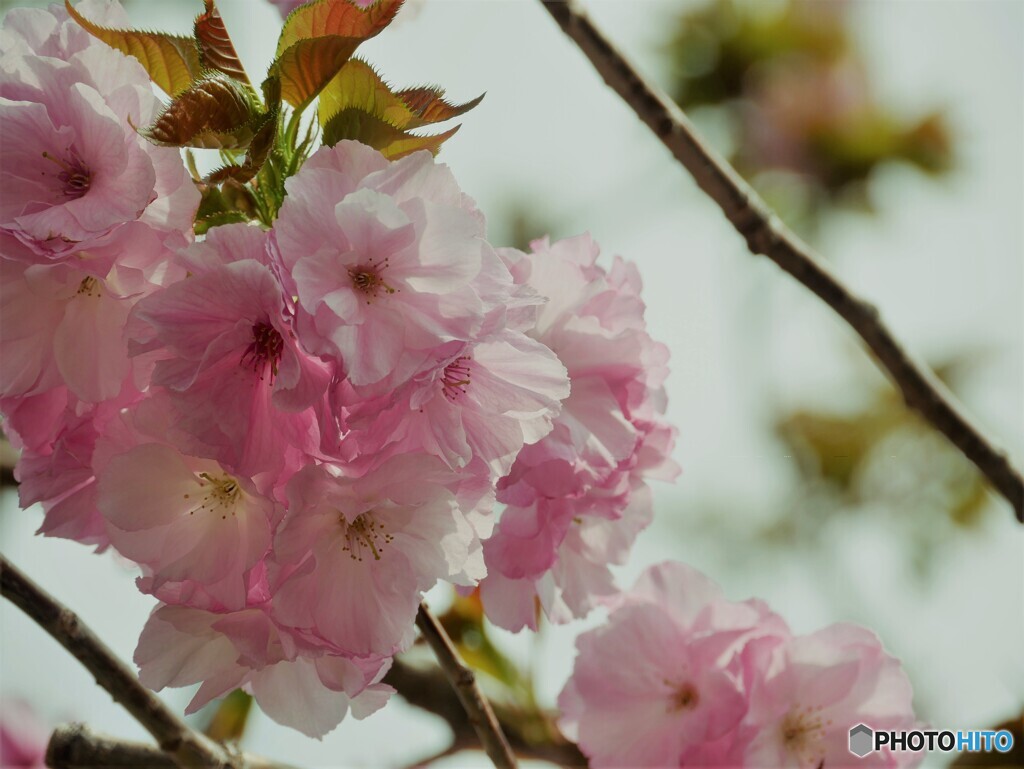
(185, 747)
(766, 235)
(76, 746)
(429, 690)
(478, 709)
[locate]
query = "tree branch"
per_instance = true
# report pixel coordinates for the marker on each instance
(766, 235)
(478, 710)
(185, 747)
(531, 735)
(76, 746)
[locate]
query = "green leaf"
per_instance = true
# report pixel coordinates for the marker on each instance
(382, 136)
(228, 723)
(318, 38)
(259, 148)
(216, 50)
(358, 86)
(172, 61)
(215, 113)
(206, 223)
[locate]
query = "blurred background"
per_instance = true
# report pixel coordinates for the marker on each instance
(888, 134)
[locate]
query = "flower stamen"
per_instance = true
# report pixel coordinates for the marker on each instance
(803, 734)
(75, 175)
(457, 377)
(368, 279)
(222, 497)
(364, 532)
(264, 350)
(684, 697)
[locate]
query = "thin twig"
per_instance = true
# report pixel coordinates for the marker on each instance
(765, 234)
(76, 746)
(186, 747)
(534, 736)
(462, 679)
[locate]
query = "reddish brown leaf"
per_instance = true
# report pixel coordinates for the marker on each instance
(216, 113)
(215, 46)
(341, 18)
(308, 65)
(318, 38)
(429, 105)
(171, 61)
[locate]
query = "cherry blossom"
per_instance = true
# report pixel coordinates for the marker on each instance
(354, 555)
(810, 690)
(76, 170)
(681, 676)
(184, 518)
(23, 736)
(483, 400)
(298, 684)
(388, 260)
(575, 500)
(227, 358)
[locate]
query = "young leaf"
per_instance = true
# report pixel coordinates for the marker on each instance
(358, 86)
(390, 141)
(429, 105)
(341, 18)
(318, 38)
(259, 148)
(308, 65)
(215, 47)
(215, 113)
(171, 61)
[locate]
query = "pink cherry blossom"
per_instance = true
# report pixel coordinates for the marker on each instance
(664, 676)
(388, 260)
(299, 685)
(76, 170)
(23, 737)
(239, 382)
(62, 324)
(58, 435)
(355, 554)
(681, 676)
(484, 400)
(810, 690)
(184, 518)
(576, 499)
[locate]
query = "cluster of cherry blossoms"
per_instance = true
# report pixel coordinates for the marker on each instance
(296, 430)
(681, 676)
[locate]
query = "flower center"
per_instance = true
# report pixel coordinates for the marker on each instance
(803, 734)
(89, 286)
(684, 697)
(456, 378)
(74, 174)
(264, 350)
(364, 534)
(368, 279)
(221, 494)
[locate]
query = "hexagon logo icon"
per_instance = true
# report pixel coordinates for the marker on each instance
(862, 740)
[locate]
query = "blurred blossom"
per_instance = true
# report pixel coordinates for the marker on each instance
(23, 736)
(796, 93)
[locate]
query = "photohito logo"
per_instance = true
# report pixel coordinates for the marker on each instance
(864, 740)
